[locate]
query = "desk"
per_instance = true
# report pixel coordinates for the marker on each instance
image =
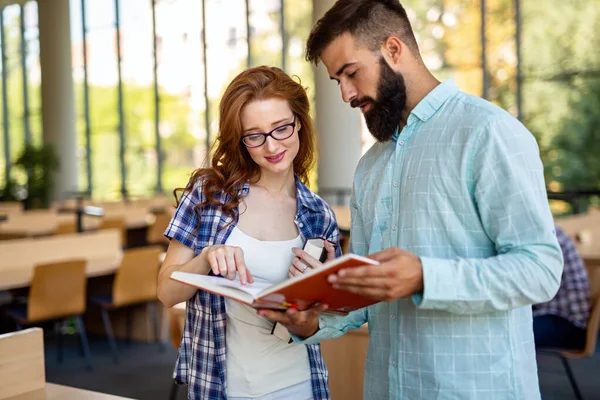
(20, 276)
(102, 250)
(23, 374)
(44, 223)
(60, 392)
(11, 207)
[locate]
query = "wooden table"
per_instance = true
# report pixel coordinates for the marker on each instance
(60, 392)
(44, 223)
(23, 373)
(102, 249)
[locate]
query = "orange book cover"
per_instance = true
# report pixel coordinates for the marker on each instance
(300, 292)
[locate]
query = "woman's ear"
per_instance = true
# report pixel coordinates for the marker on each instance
(298, 125)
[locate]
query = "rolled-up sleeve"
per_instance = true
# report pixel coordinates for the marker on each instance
(334, 326)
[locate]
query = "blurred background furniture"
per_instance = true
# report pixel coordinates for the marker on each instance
(57, 292)
(135, 283)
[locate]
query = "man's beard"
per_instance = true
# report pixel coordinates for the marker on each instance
(384, 114)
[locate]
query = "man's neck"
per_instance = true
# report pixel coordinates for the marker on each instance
(422, 84)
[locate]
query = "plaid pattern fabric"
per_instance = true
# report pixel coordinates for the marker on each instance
(572, 302)
(462, 187)
(201, 360)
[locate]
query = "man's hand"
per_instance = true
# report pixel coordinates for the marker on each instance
(399, 275)
(301, 323)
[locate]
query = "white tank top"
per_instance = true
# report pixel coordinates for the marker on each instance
(259, 363)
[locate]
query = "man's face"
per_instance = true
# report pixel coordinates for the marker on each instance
(367, 82)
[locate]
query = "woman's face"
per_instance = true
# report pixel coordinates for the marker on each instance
(271, 116)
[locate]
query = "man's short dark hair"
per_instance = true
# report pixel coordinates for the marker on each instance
(370, 22)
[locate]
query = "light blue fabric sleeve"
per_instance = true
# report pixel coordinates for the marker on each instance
(509, 190)
(333, 326)
(358, 241)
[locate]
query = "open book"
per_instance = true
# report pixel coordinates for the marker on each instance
(300, 292)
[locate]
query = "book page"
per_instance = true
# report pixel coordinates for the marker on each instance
(222, 286)
(252, 288)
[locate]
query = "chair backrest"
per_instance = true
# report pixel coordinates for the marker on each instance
(65, 228)
(594, 321)
(156, 231)
(115, 223)
(176, 323)
(22, 363)
(136, 279)
(57, 290)
(12, 236)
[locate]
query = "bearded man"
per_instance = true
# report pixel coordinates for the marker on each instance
(452, 202)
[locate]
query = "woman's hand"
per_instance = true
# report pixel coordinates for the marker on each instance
(304, 262)
(226, 261)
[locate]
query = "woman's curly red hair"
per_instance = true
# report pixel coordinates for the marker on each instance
(231, 164)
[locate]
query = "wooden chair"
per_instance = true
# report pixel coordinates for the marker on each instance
(345, 359)
(57, 292)
(116, 223)
(591, 334)
(155, 235)
(65, 228)
(12, 236)
(22, 368)
(176, 325)
(135, 283)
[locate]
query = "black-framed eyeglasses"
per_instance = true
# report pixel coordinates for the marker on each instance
(280, 133)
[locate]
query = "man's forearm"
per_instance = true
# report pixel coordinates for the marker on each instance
(503, 282)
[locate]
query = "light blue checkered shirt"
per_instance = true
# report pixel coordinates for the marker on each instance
(462, 187)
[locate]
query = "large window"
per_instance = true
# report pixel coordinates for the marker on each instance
(20, 72)
(151, 114)
(181, 84)
(149, 75)
(561, 90)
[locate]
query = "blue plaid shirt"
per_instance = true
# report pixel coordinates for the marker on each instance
(201, 359)
(572, 301)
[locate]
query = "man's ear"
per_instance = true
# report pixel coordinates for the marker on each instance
(392, 50)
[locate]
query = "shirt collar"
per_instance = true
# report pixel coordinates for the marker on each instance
(430, 104)
(305, 197)
(434, 100)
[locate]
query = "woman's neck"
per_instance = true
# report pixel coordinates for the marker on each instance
(278, 184)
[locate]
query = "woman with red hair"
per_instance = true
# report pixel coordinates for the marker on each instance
(240, 219)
